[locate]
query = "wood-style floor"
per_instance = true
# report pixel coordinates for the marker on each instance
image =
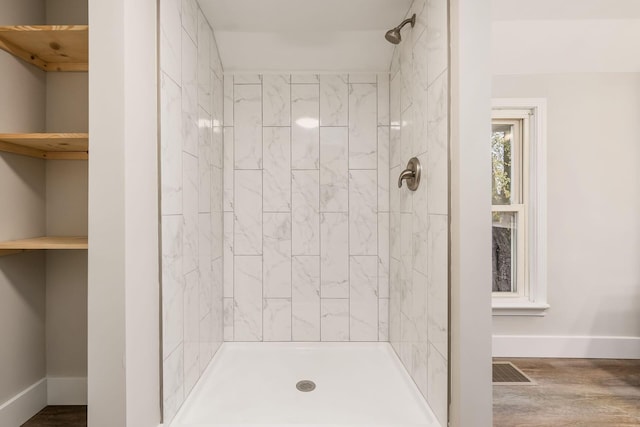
(570, 392)
(59, 416)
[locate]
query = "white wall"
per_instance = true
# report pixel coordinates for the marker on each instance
(470, 228)
(22, 185)
(593, 161)
(67, 204)
(124, 300)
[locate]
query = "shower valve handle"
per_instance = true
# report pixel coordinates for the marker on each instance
(411, 174)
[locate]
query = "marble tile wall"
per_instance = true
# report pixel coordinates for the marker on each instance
(418, 319)
(191, 99)
(306, 207)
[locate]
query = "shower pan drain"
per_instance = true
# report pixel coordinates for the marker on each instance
(306, 386)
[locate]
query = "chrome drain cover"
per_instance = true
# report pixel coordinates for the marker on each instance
(306, 386)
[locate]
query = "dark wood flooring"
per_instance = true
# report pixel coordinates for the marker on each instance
(570, 392)
(59, 416)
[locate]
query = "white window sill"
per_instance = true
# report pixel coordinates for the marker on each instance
(512, 308)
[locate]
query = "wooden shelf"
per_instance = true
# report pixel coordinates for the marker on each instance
(52, 146)
(17, 246)
(48, 47)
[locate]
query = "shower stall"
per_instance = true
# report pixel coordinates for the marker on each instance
(304, 256)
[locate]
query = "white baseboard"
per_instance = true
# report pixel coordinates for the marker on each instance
(66, 391)
(588, 347)
(15, 411)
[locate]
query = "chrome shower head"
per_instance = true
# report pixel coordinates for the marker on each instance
(393, 35)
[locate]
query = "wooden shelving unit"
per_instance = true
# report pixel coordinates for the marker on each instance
(48, 47)
(52, 146)
(37, 243)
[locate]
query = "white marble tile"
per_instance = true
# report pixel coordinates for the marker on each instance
(362, 78)
(406, 152)
(190, 212)
(383, 169)
(305, 277)
(395, 61)
(277, 255)
(419, 8)
(363, 300)
(383, 99)
(437, 384)
(305, 78)
(247, 79)
(191, 330)
(395, 139)
(394, 302)
(406, 253)
(248, 126)
(363, 107)
(363, 227)
(276, 100)
(172, 284)
(383, 319)
(420, 216)
(247, 313)
(190, 18)
(228, 254)
(173, 383)
(383, 254)
(334, 100)
(334, 169)
(217, 235)
(305, 132)
(394, 235)
(204, 72)
(335, 319)
(204, 163)
(305, 205)
(228, 99)
(171, 38)
(205, 280)
(334, 261)
(217, 147)
(276, 172)
(418, 368)
(438, 282)
(277, 319)
(437, 166)
(206, 346)
(406, 68)
(437, 30)
(217, 306)
(248, 212)
(191, 365)
(189, 95)
(171, 146)
(216, 189)
(228, 170)
(418, 305)
(228, 319)
(217, 102)
(192, 307)
(420, 96)
(216, 63)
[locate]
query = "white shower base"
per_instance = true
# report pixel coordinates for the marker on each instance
(254, 384)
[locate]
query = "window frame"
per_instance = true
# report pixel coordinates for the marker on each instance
(532, 299)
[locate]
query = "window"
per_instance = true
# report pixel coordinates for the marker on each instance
(518, 207)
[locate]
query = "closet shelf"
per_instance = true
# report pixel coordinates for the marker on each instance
(48, 47)
(51, 146)
(17, 246)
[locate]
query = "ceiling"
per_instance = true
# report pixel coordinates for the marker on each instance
(552, 36)
(304, 35)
